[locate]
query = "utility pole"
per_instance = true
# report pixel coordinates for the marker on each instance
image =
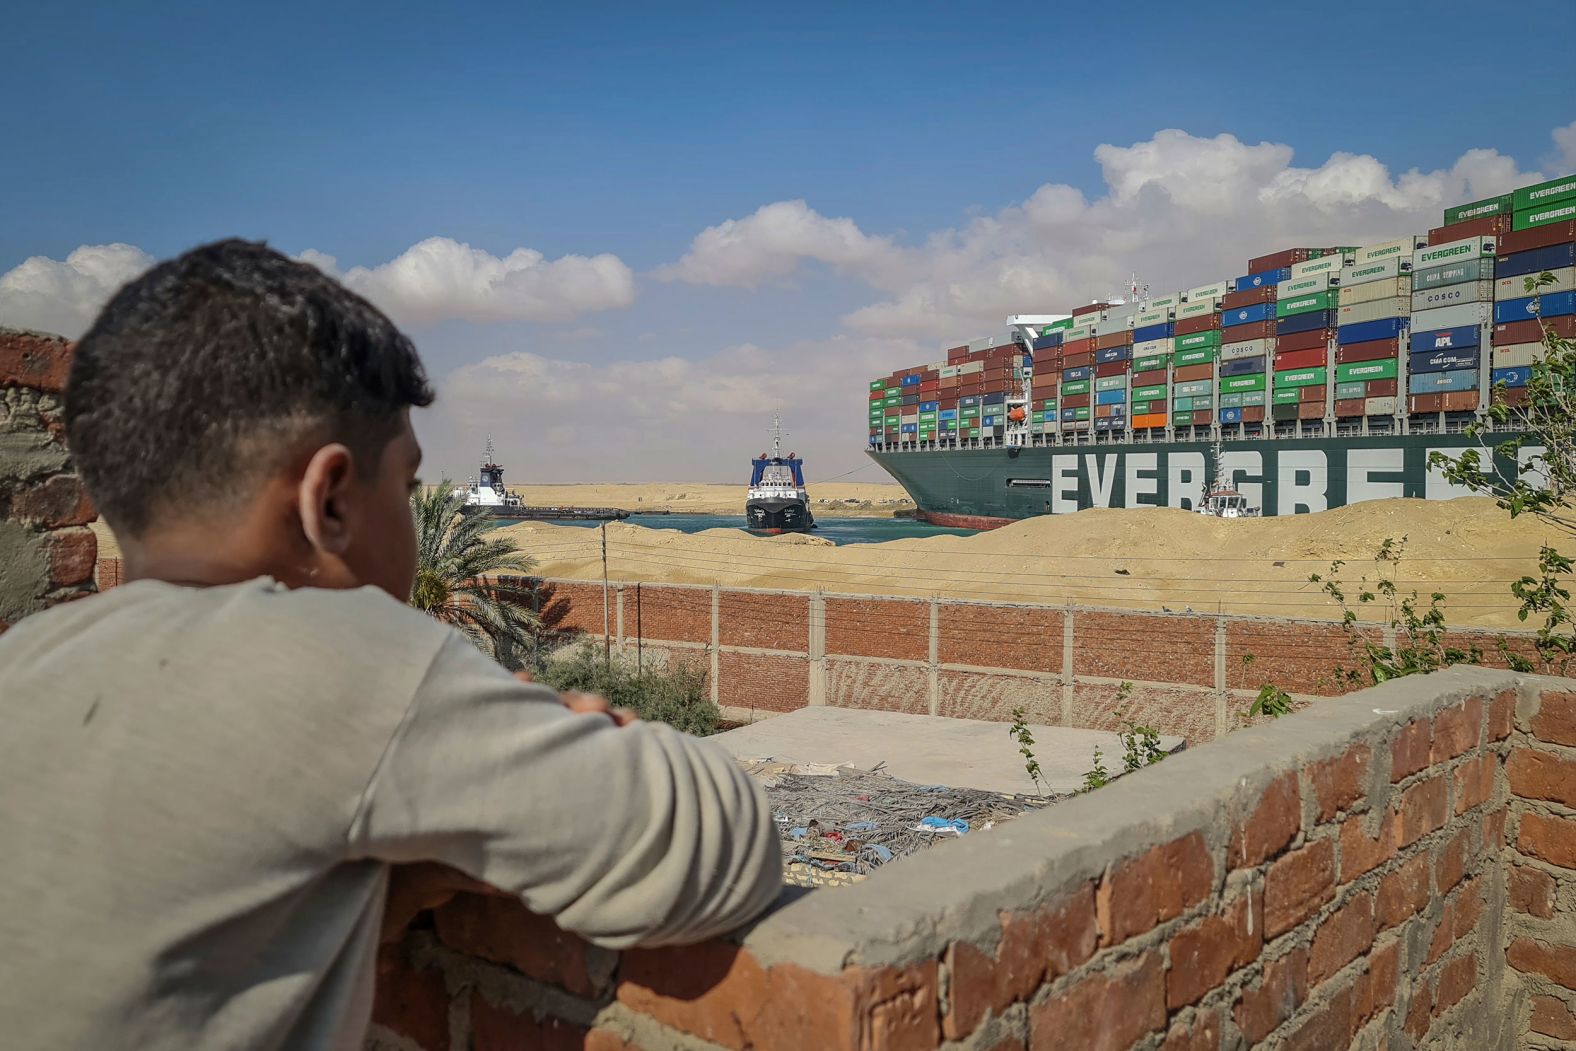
(640, 646)
(607, 638)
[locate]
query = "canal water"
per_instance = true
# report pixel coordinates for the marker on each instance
(837, 530)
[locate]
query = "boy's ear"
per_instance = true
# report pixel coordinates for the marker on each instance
(322, 498)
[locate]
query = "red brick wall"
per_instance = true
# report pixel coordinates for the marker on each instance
(767, 683)
(675, 614)
(984, 695)
(877, 685)
(772, 622)
(1022, 638)
(878, 628)
(44, 510)
(1138, 646)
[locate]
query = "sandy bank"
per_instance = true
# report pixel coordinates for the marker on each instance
(826, 498)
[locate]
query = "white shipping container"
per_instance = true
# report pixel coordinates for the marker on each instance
(948, 371)
(1509, 357)
(1389, 288)
(1151, 317)
(1169, 301)
(1325, 264)
(1208, 292)
(1194, 309)
(1374, 311)
(1400, 248)
(1379, 406)
(1459, 316)
(1454, 252)
(971, 366)
(1112, 325)
(1516, 287)
(1450, 295)
(1152, 346)
(1248, 348)
(984, 343)
(1362, 273)
(1078, 332)
(1301, 286)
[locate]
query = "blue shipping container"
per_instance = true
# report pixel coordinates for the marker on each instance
(1444, 360)
(1148, 332)
(1247, 315)
(1230, 415)
(1082, 372)
(1047, 342)
(1110, 397)
(1109, 423)
(1364, 331)
(1519, 376)
(1069, 415)
(1110, 354)
(929, 406)
(909, 428)
(1443, 382)
(949, 414)
(1260, 279)
(1314, 319)
(993, 399)
(988, 421)
(911, 399)
(1553, 304)
(972, 399)
(1447, 338)
(1535, 261)
(1242, 367)
(910, 381)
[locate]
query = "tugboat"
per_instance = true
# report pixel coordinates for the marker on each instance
(778, 501)
(1220, 499)
(486, 495)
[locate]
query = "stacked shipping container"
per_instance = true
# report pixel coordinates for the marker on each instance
(1542, 239)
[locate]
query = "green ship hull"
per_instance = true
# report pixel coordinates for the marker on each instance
(981, 488)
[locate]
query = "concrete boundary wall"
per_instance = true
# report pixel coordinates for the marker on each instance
(1391, 869)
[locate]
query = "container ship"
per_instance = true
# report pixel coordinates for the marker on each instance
(1326, 375)
(777, 501)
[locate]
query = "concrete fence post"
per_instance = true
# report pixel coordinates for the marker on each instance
(817, 682)
(618, 617)
(1220, 677)
(1067, 666)
(935, 656)
(716, 644)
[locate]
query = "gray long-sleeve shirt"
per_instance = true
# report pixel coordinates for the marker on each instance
(202, 790)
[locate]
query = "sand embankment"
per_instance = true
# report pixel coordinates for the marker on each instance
(1133, 559)
(845, 499)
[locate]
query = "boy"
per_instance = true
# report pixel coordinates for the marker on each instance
(209, 771)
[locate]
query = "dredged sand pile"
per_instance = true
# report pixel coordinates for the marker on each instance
(848, 499)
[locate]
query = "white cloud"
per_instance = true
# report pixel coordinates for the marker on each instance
(63, 296)
(1565, 143)
(440, 279)
(772, 242)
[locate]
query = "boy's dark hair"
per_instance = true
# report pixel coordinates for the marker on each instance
(204, 374)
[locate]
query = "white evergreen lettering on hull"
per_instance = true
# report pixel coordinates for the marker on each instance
(1304, 483)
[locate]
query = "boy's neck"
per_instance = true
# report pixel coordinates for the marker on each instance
(206, 555)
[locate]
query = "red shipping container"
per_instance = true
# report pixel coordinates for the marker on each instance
(950, 383)
(1075, 401)
(929, 388)
(1300, 359)
(1531, 330)
(1253, 414)
(1537, 237)
(1513, 396)
(1247, 297)
(1373, 350)
(1111, 368)
(1314, 392)
(1350, 407)
(1191, 373)
(1311, 410)
(1487, 226)
(1203, 323)
(1256, 330)
(1078, 346)
(1383, 388)
(1149, 379)
(1115, 339)
(1279, 260)
(1078, 361)
(1089, 308)
(1103, 411)
(957, 354)
(877, 395)
(1303, 340)
(1425, 403)
(1461, 401)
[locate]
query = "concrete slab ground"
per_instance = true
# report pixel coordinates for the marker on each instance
(929, 750)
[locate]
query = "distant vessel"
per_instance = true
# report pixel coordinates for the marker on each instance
(778, 501)
(487, 495)
(1221, 499)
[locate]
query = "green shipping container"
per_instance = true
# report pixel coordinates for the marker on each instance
(1149, 363)
(1544, 193)
(1255, 381)
(1345, 391)
(1480, 209)
(1543, 215)
(891, 403)
(1300, 378)
(1285, 396)
(878, 385)
(1181, 404)
(1149, 393)
(1081, 414)
(1383, 369)
(1306, 304)
(1037, 417)
(1138, 408)
(1230, 401)
(1184, 358)
(971, 411)
(1198, 339)
(1111, 382)
(1075, 387)
(894, 392)
(1050, 403)
(927, 417)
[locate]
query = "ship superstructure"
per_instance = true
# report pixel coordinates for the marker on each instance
(777, 501)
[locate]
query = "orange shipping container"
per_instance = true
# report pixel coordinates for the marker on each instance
(1145, 421)
(1115, 339)
(1191, 373)
(1351, 406)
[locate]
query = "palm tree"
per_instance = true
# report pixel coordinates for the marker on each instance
(458, 576)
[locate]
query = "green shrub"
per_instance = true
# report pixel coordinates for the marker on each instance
(676, 696)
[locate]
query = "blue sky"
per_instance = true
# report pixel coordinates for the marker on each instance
(625, 130)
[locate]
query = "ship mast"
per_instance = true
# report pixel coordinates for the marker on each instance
(777, 435)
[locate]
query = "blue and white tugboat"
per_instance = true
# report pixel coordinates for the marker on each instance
(778, 501)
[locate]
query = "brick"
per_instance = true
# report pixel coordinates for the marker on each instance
(73, 553)
(1531, 891)
(904, 628)
(1297, 885)
(1469, 909)
(1200, 1033)
(34, 360)
(1450, 864)
(773, 622)
(504, 931)
(1035, 948)
(1341, 938)
(1338, 783)
(1555, 719)
(50, 504)
(768, 682)
(1456, 730)
(1501, 715)
(1456, 979)
(1106, 1011)
(1424, 808)
(1550, 838)
(1376, 990)
(1024, 638)
(1403, 893)
(1361, 853)
(1202, 955)
(1145, 647)
(1409, 750)
(1494, 829)
(1556, 962)
(1328, 1025)
(1475, 781)
(1552, 1017)
(500, 1029)
(1542, 775)
(413, 1003)
(1284, 987)
(1418, 1015)
(1156, 886)
(1273, 824)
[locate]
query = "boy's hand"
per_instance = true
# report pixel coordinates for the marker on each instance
(588, 703)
